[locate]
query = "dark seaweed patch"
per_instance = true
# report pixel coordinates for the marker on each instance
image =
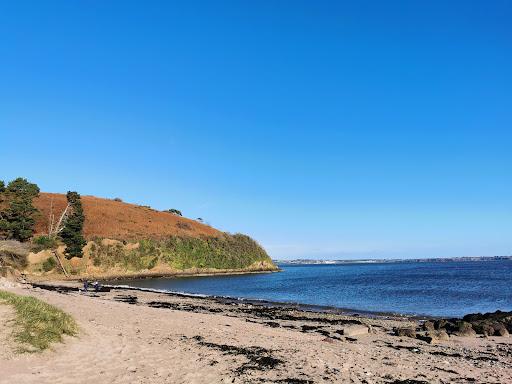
(258, 358)
(272, 324)
(55, 288)
(126, 299)
(183, 307)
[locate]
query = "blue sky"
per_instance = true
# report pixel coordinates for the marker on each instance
(322, 129)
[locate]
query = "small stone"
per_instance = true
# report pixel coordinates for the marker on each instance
(132, 369)
(354, 330)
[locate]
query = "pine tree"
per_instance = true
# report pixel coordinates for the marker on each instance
(17, 213)
(72, 233)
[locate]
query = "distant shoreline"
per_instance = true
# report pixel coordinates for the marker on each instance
(382, 261)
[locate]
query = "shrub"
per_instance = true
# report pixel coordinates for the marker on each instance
(118, 199)
(44, 242)
(49, 264)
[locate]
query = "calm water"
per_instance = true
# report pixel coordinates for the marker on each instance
(438, 289)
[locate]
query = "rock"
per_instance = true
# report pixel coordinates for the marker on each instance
(500, 330)
(464, 329)
(492, 323)
(433, 337)
(132, 369)
(428, 326)
(485, 329)
(437, 336)
(439, 324)
(354, 330)
(407, 332)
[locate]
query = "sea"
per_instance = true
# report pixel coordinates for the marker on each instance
(437, 289)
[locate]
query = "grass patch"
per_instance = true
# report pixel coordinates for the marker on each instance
(37, 324)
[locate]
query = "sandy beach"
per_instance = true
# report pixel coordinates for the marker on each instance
(129, 336)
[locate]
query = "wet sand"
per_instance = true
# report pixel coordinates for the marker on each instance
(131, 336)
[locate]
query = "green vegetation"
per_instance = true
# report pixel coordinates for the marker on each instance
(49, 264)
(225, 252)
(44, 242)
(72, 233)
(37, 324)
(17, 214)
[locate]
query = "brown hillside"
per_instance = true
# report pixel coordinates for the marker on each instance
(122, 221)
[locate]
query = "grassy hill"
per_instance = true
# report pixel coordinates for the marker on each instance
(130, 240)
(111, 219)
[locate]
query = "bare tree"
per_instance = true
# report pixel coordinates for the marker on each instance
(54, 230)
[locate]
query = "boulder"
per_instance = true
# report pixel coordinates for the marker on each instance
(437, 336)
(354, 330)
(433, 337)
(440, 324)
(464, 329)
(485, 329)
(500, 330)
(428, 326)
(405, 332)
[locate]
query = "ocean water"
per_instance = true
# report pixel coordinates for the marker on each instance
(450, 289)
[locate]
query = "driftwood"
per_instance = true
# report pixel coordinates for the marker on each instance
(60, 262)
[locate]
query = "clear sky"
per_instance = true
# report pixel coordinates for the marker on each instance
(322, 129)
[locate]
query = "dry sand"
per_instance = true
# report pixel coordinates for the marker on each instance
(126, 338)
